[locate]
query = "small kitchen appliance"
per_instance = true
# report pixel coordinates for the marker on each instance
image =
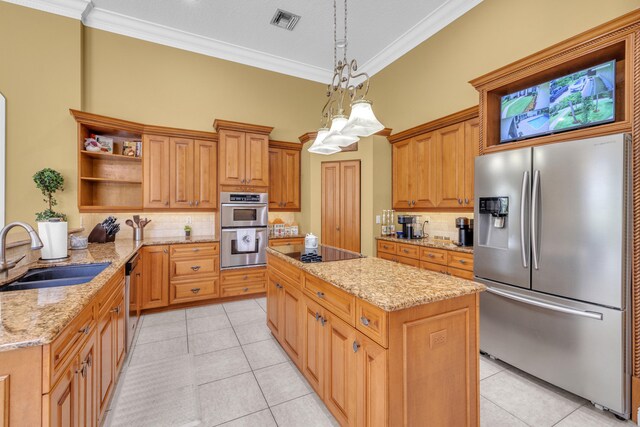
(410, 229)
(465, 231)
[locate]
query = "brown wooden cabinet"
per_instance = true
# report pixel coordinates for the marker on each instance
(432, 166)
(284, 314)
(192, 174)
(63, 400)
(194, 271)
(243, 154)
(155, 277)
(371, 382)
(86, 374)
(205, 166)
(284, 176)
(341, 204)
(156, 151)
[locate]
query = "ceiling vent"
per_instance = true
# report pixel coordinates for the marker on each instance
(284, 19)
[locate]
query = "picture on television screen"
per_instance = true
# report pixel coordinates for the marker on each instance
(584, 98)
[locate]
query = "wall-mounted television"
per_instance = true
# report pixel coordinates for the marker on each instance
(584, 98)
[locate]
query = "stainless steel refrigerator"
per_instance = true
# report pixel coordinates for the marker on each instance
(553, 246)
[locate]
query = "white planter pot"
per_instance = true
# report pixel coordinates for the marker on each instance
(54, 237)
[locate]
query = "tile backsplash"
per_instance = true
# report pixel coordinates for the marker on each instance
(161, 225)
(440, 223)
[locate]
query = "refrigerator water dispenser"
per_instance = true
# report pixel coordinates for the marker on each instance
(494, 212)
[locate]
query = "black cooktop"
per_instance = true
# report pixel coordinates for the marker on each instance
(322, 254)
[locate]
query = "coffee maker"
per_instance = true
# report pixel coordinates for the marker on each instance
(465, 231)
(410, 226)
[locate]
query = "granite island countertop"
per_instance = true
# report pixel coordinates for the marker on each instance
(429, 243)
(388, 285)
(34, 317)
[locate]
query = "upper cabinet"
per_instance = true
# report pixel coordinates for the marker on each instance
(284, 176)
(432, 165)
(141, 167)
(244, 155)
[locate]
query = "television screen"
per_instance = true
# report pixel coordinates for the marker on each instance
(584, 98)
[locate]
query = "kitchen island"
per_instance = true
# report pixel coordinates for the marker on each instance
(381, 343)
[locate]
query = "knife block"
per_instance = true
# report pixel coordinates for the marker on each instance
(99, 235)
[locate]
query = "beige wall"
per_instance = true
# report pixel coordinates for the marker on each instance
(40, 73)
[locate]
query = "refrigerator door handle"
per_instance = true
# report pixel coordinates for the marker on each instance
(548, 306)
(534, 217)
(523, 205)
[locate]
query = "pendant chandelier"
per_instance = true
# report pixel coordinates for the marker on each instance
(339, 130)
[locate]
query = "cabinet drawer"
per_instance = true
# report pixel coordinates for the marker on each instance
(436, 256)
(372, 321)
(68, 342)
(286, 242)
(408, 261)
(193, 291)
(388, 247)
(286, 269)
(409, 251)
(195, 249)
(388, 257)
(234, 289)
(188, 268)
(335, 300)
(433, 267)
(243, 275)
(463, 274)
(105, 294)
(460, 260)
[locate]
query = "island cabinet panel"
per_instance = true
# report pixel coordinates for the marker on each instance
(313, 345)
(336, 300)
(21, 399)
(274, 303)
(434, 352)
(155, 276)
(284, 314)
(371, 383)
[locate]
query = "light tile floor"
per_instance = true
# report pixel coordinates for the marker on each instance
(218, 365)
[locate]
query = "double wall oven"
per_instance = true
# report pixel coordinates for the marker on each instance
(242, 214)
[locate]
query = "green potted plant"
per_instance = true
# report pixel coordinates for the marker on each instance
(187, 231)
(52, 225)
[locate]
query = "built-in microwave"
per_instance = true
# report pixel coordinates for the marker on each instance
(243, 210)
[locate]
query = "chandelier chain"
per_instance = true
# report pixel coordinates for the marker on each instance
(335, 35)
(345, 31)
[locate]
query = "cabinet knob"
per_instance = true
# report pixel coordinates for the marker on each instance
(406, 251)
(323, 321)
(466, 201)
(413, 203)
(317, 316)
(320, 294)
(195, 267)
(249, 180)
(364, 321)
(278, 285)
(166, 203)
(431, 256)
(84, 330)
(356, 346)
(409, 202)
(166, 251)
(190, 203)
(245, 290)
(197, 202)
(461, 261)
(242, 180)
(459, 201)
(116, 310)
(195, 290)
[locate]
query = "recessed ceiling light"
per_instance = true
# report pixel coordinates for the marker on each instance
(284, 19)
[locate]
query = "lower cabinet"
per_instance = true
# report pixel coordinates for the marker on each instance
(242, 281)
(155, 277)
(284, 309)
(63, 400)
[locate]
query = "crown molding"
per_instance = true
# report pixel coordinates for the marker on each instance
(427, 27)
(140, 29)
(69, 8)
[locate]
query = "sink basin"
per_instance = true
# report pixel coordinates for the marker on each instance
(56, 276)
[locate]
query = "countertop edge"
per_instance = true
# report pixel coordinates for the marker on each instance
(422, 243)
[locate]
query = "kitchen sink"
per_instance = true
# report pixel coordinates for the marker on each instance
(56, 276)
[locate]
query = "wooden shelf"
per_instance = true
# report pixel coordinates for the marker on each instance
(110, 180)
(108, 156)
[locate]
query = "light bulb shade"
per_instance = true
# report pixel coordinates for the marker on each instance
(335, 137)
(318, 146)
(362, 121)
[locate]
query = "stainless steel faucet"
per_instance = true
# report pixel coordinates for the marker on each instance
(36, 244)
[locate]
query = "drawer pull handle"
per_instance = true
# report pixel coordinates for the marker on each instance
(406, 251)
(245, 290)
(432, 256)
(165, 251)
(278, 285)
(245, 277)
(84, 330)
(461, 261)
(196, 249)
(320, 294)
(323, 321)
(364, 321)
(356, 346)
(116, 310)
(317, 316)
(195, 290)
(195, 267)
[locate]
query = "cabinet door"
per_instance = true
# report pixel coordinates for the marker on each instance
(87, 396)
(424, 176)
(403, 165)
(181, 173)
(339, 366)
(349, 217)
(206, 175)
(155, 277)
(257, 159)
(274, 297)
(155, 154)
(291, 179)
(371, 383)
(471, 150)
(231, 163)
(291, 322)
(313, 346)
(63, 400)
(331, 203)
(120, 329)
(106, 361)
(449, 166)
(276, 179)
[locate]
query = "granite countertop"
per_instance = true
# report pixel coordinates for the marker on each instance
(34, 317)
(389, 285)
(429, 243)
